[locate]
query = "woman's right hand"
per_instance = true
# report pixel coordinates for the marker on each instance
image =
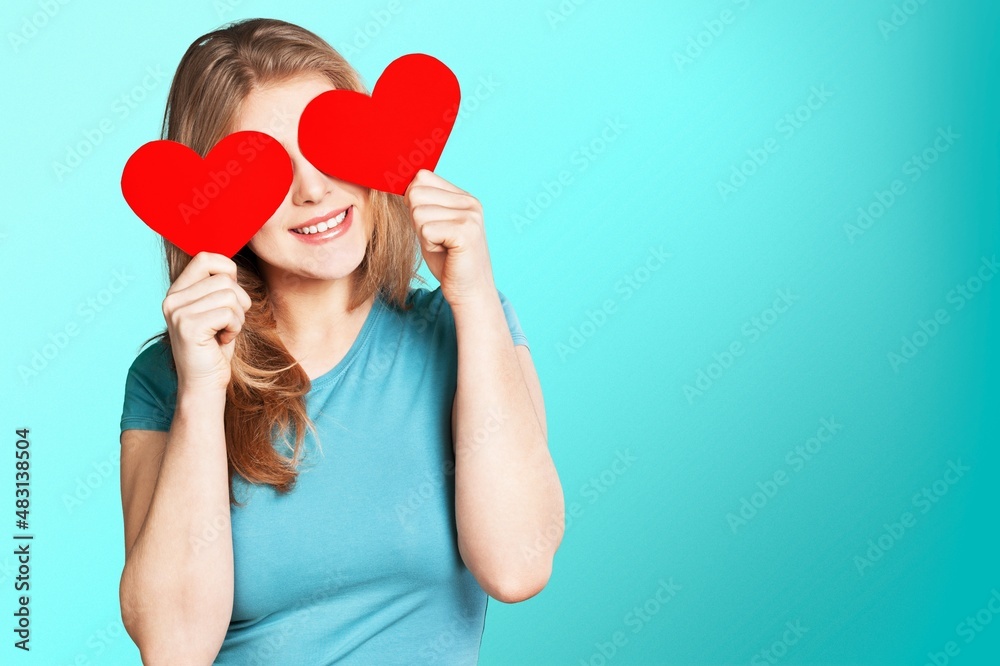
(205, 309)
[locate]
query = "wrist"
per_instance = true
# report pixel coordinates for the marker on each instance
(476, 302)
(191, 397)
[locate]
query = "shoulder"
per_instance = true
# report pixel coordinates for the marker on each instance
(425, 306)
(432, 301)
(424, 299)
(429, 308)
(150, 389)
(153, 369)
(155, 355)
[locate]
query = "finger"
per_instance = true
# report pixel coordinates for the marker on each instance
(201, 266)
(423, 214)
(440, 235)
(428, 177)
(223, 323)
(203, 327)
(216, 299)
(207, 285)
(426, 194)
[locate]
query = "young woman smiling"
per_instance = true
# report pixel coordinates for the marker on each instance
(427, 483)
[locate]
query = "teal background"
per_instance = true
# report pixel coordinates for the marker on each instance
(618, 387)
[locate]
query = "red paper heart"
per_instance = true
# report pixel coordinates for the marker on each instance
(382, 141)
(215, 204)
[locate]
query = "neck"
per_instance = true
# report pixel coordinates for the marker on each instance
(313, 314)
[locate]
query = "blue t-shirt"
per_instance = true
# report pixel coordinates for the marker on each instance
(359, 563)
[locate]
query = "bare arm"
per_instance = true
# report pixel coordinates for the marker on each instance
(508, 499)
(509, 506)
(176, 589)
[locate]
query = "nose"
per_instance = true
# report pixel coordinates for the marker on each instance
(309, 184)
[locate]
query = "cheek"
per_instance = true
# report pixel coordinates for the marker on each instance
(265, 239)
(369, 220)
(275, 225)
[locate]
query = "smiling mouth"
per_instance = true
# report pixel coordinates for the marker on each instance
(332, 223)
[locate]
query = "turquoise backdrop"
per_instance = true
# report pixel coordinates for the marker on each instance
(753, 246)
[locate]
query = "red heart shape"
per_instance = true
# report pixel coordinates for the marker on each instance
(215, 204)
(381, 141)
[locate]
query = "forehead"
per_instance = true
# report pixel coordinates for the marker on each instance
(275, 109)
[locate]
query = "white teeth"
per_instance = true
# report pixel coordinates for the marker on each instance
(323, 226)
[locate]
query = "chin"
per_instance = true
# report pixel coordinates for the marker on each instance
(335, 266)
(334, 260)
(328, 275)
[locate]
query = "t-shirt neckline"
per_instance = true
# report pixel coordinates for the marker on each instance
(360, 341)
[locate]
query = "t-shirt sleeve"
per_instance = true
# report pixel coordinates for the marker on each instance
(513, 323)
(150, 391)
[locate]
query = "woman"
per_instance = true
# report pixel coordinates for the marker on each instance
(427, 484)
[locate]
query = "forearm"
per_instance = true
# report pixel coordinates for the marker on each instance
(507, 491)
(177, 585)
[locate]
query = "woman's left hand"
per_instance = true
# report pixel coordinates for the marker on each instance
(449, 226)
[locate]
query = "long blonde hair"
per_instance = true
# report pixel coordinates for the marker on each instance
(267, 388)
